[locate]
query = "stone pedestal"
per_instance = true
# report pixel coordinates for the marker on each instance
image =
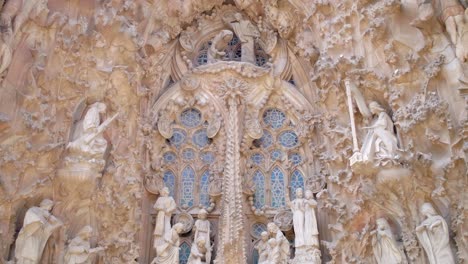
(307, 255)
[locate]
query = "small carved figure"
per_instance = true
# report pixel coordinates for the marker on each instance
(281, 243)
(274, 252)
(198, 252)
(310, 221)
(297, 207)
(433, 234)
(202, 232)
(79, 250)
(262, 248)
(384, 245)
(219, 43)
(165, 207)
(168, 251)
(38, 226)
(246, 32)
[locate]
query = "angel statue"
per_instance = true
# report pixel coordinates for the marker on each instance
(246, 32)
(219, 43)
(380, 141)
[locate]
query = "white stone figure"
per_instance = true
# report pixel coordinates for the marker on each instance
(5, 53)
(218, 45)
(282, 244)
(298, 208)
(38, 226)
(168, 251)
(198, 252)
(202, 232)
(79, 250)
(433, 234)
(90, 140)
(274, 252)
(384, 245)
(165, 207)
(246, 32)
(262, 248)
(310, 221)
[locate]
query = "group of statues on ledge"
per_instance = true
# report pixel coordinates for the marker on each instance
(38, 226)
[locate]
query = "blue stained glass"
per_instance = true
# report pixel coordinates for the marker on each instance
(258, 228)
(207, 157)
(276, 154)
(259, 183)
(169, 157)
(169, 182)
(288, 139)
(184, 253)
(188, 182)
(257, 158)
(297, 181)
(265, 141)
(295, 158)
(200, 138)
(274, 118)
(188, 154)
(190, 118)
(204, 182)
(277, 188)
(178, 137)
(255, 256)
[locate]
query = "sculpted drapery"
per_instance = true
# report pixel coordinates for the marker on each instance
(165, 207)
(384, 245)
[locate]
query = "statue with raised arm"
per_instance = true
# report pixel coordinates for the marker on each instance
(202, 232)
(380, 141)
(168, 251)
(218, 45)
(281, 244)
(79, 249)
(384, 245)
(433, 234)
(165, 207)
(246, 32)
(38, 226)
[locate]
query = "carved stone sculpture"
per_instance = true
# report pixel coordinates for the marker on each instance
(274, 252)
(38, 226)
(384, 245)
(5, 52)
(198, 252)
(433, 234)
(165, 207)
(79, 250)
(219, 43)
(246, 32)
(310, 221)
(202, 233)
(298, 208)
(280, 244)
(168, 251)
(262, 248)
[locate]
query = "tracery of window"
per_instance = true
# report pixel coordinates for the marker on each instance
(184, 253)
(233, 53)
(276, 161)
(186, 160)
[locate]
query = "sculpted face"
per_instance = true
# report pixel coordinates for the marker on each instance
(308, 194)
(264, 236)
(165, 192)
(428, 210)
(202, 214)
(299, 193)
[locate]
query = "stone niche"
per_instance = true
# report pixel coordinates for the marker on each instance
(275, 131)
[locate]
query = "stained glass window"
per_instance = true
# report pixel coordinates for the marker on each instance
(207, 157)
(204, 182)
(178, 137)
(265, 141)
(259, 183)
(255, 256)
(277, 188)
(190, 118)
(295, 158)
(200, 138)
(276, 154)
(169, 157)
(169, 181)
(274, 118)
(188, 154)
(288, 139)
(258, 228)
(257, 158)
(184, 253)
(188, 182)
(297, 181)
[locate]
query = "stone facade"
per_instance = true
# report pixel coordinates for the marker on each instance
(170, 131)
